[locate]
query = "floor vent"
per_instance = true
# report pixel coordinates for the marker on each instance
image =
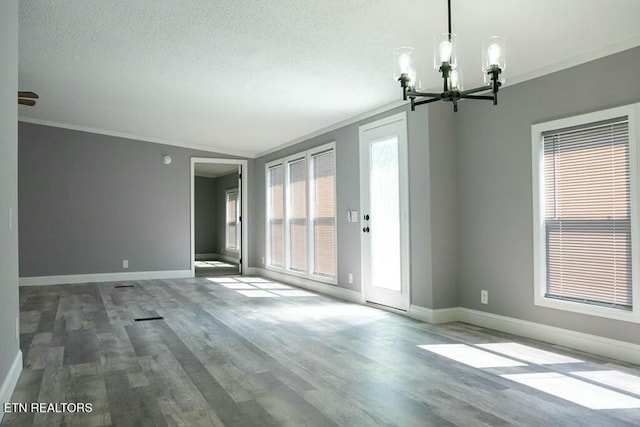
(143, 319)
(123, 286)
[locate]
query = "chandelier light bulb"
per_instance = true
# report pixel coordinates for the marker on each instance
(494, 52)
(404, 61)
(445, 51)
(412, 76)
(455, 80)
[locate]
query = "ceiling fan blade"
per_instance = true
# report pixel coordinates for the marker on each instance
(29, 102)
(28, 95)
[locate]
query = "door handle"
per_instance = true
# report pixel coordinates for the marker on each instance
(365, 229)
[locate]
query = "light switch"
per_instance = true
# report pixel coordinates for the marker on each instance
(352, 216)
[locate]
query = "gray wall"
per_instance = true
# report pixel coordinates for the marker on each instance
(444, 205)
(427, 289)
(9, 344)
(494, 186)
(223, 183)
(210, 214)
(88, 201)
(205, 215)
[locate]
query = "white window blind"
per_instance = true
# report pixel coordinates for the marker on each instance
(275, 205)
(296, 214)
(323, 213)
(587, 214)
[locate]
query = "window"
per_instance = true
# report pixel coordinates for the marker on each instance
(296, 213)
(275, 209)
(323, 212)
(584, 194)
(301, 214)
(232, 231)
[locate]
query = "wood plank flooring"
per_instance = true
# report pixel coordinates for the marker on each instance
(209, 268)
(240, 351)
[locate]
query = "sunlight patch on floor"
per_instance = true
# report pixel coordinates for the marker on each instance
(222, 280)
(528, 354)
(255, 287)
(471, 356)
(252, 279)
(236, 286)
(576, 391)
(270, 285)
(613, 378)
(256, 293)
(294, 293)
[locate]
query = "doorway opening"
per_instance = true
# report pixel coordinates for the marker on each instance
(218, 214)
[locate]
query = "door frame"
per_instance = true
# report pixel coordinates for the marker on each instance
(403, 182)
(244, 255)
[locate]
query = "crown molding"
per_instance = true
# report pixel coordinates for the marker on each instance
(576, 60)
(217, 150)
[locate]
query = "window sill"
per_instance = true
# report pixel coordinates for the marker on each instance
(591, 310)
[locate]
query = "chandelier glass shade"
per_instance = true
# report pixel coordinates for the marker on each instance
(445, 61)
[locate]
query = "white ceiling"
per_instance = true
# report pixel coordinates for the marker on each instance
(214, 170)
(245, 76)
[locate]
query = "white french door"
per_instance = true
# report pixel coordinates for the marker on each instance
(385, 219)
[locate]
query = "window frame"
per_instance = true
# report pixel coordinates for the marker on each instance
(307, 156)
(226, 222)
(310, 219)
(539, 250)
(287, 218)
(268, 166)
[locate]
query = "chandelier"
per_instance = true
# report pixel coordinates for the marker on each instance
(445, 61)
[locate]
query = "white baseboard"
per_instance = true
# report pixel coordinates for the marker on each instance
(312, 285)
(594, 344)
(227, 258)
(217, 257)
(10, 381)
(435, 316)
(104, 277)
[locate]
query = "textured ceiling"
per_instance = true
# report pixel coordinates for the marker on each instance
(244, 76)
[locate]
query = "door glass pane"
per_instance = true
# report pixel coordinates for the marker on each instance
(385, 215)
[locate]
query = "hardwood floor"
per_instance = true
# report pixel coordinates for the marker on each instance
(205, 268)
(238, 351)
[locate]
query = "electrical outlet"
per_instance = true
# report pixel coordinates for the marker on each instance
(484, 297)
(350, 277)
(125, 263)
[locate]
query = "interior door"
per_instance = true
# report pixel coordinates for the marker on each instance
(385, 219)
(239, 218)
